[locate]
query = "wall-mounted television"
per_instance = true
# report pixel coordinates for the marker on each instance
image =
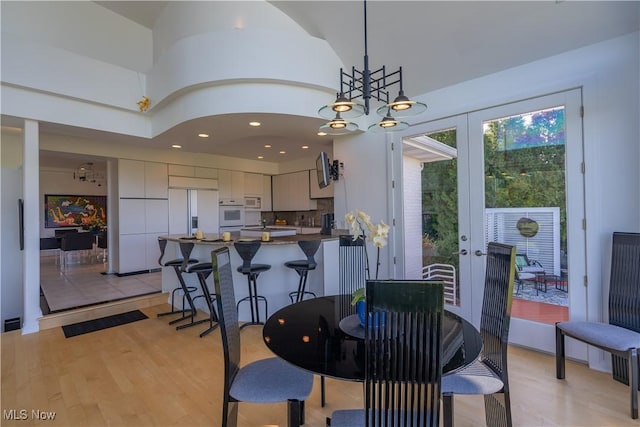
(323, 168)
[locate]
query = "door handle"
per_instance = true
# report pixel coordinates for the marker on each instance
(479, 252)
(461, 252)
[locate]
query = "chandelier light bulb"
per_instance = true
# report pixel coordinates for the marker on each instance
(337, 124)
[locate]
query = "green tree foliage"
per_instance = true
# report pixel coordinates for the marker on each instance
(524, 159)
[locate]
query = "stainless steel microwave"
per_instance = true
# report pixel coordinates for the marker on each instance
(253, 203)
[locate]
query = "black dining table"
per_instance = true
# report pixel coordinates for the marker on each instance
(323, 335)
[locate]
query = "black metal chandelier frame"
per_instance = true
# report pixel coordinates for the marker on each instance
(367, 84)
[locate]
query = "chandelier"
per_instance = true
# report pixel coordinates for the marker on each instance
(367, 84)
(86, 173)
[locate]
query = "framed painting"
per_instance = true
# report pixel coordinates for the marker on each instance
(88, 212)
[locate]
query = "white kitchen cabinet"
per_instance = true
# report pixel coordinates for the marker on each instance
(291, 192)
(143, 213)
(133, 253)
(206, 173)
(138, 179)
(266, 194)
(253, 184)
(181, 170)
(131, 216)
(314, 189)
(231, 184)
(131, 178)
(156, 216)
(156, 180)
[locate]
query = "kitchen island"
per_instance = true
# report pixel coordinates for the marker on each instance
(274, 284)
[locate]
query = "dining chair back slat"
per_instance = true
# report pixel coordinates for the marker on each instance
(352, 267)
(403, 356)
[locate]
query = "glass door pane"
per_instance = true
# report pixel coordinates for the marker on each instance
(525, 206)
(527, 190)
(440, 216)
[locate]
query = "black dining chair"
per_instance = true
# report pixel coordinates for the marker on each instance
(403, 356)
(621, 335)
(270, 380)
(488, 375)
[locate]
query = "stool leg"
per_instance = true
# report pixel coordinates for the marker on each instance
(253, 299)
(202, 277)
(173, 293)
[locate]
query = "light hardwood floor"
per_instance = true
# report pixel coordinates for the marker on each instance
(148, 374)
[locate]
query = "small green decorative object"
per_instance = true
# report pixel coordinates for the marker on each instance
(527, 227)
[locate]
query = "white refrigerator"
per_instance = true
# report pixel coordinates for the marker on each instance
(193, 210)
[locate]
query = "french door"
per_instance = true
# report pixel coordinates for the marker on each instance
(516, 178)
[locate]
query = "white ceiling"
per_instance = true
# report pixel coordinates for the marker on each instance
(438, 43)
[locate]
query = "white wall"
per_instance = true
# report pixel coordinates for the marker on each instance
(412, 217)
(11, 262)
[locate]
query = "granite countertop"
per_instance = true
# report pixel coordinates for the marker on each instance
(215, 239)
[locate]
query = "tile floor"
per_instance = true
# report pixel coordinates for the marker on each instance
(80, 281)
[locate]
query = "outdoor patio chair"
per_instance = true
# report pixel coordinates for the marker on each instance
(621, 336)
(528, 271)
(488, 375)
(445, 273)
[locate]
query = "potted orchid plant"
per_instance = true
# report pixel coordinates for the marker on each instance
(361, 224)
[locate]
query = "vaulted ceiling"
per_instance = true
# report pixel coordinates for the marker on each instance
(438, 43)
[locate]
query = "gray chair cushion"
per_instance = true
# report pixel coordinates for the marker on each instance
(271, 380)
(355, 418)
(347, 418)
(476, 378)
(602, 334)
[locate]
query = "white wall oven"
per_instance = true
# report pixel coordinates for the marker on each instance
(231, 215)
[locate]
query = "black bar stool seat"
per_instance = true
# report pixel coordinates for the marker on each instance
(302, 267)
(247, 250)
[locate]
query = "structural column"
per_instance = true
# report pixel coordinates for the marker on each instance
(31, 253)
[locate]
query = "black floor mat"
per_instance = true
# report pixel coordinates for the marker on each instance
(102, 323)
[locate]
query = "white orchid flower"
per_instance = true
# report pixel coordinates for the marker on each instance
(379, 242)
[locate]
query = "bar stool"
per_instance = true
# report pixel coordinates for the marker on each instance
(176, 264)
(247, 251)
(202, 270)
(302, 267)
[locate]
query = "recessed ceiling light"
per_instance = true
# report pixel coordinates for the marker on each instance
(322, 133)
(254, 123)
(267, 145)
(304, 147)
(176, 146)
(283, 152)
(261, 157)
(203, 135)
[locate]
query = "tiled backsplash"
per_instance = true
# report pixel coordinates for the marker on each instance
(303, 218)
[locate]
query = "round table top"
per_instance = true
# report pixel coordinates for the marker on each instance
(323, 336)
